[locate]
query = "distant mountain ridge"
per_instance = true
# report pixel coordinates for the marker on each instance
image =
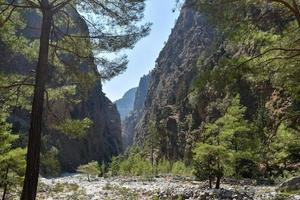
(126, 103)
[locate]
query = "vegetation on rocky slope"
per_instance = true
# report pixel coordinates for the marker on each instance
(224, 96)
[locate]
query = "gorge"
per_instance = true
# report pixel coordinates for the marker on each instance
(216, 118)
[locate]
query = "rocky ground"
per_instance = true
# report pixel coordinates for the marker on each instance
(76, 186)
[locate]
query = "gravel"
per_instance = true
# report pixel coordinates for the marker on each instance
(76, 186)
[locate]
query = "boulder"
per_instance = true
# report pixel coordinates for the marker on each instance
(291, 184)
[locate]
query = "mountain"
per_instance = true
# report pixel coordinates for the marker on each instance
(168, 86)
(169, 103)
(125, 104)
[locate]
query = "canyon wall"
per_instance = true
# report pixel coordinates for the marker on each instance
(103, 138)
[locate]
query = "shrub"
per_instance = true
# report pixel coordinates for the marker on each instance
(135, 165)
(180, 169)
(245, 167)
(164, 167)
(90, 169)
(114, 167)
(50, 166)
(125, 167)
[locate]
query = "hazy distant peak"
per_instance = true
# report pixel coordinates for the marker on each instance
(125, 104)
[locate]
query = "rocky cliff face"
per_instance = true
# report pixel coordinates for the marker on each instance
(130, 122)
(166, 104)
(103, 138)
(125, 104)
(193, 47)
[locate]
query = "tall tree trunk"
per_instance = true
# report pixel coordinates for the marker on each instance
(4, 192)
(219, 174)
(34, 140)
(5, 185)
(218, 182)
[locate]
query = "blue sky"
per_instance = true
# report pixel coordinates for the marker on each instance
(142, 57)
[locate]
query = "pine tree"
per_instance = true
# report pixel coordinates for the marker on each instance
(112, 27)
(151, 142)
(12, 160)
(212, 162)
(90, 169)
(235, 132)
(230, 138)
(271, 47)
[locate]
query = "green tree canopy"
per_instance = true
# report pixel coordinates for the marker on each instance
(12, 160)
(90, 169)
(74, 34)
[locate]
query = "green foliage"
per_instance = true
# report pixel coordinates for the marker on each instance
(250, 48)
(180, 169)
(135, 164)
(275, 151)
(151, 142)
(12, 160)
(235, 131)
(74, 128)
(293, 150)
(245, 166)
(15, 91)
(228, 146)
(50, 166)
(231, 130)
(83, 30)
(212, 161)
(61, 93)
(90, 169)
(114, 166)
(164, 166)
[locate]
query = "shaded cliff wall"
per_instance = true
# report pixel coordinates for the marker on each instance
(104, 137)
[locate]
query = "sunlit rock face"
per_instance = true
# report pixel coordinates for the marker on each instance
(126, 103)
(168, 104)
(165, 101)
(130, 122)
(103, 139)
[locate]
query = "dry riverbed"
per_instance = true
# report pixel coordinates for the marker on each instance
(76, 186)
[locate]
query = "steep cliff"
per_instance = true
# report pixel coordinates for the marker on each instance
(141, 92)
(166, 103)
(191, 54)
(130, 122)
(103, 138)
(125, 104)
